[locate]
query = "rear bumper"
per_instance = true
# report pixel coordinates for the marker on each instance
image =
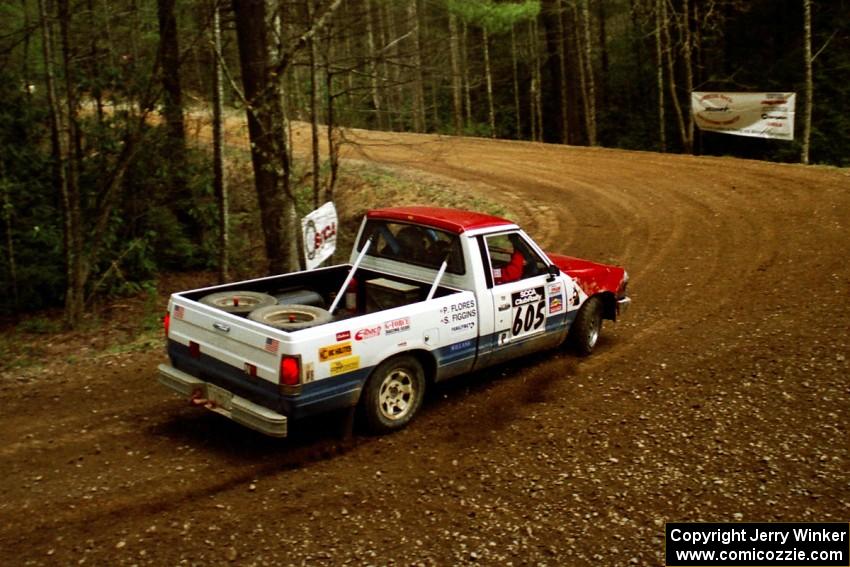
(224, 402)
(623, 305)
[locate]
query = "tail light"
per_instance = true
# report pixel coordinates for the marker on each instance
(166, 323)
(290, 371)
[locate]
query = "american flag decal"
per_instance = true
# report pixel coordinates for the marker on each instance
(178, 312)
(271, 345)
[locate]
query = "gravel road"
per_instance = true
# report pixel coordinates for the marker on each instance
(723, 396)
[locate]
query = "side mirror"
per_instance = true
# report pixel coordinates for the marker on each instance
(553, 271)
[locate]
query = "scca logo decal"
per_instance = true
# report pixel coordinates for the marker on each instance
(527, 296)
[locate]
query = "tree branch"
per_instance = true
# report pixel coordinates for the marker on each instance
(231, 80)
(815, 56)
(302, 40)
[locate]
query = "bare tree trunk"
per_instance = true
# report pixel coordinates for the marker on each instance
(491, 111)
(685, 27)
(284, 80)
(314, 112)
(94, 66)
(466, 85)
(132, 36)
(349, 51)
(300, 103)
(419, 124)
(373, 67)
(262, 80)
(457, 78)
(169, 55)
(590, 99)
(637, 48)
(219, 184)
(107, 34)
(81, 254)
(553, 80)
(435, 102)
(387, 33)
(432, 78)
(535, 96)
(77, 272)
(292, 108)
(603, 53)
(810, 89)
(277, 80)
(7, 207)
(582, 70)
(333, 145)
(562, 59)
(515, 69)
(671, 73)
(25, 71)
(265, 131)
(659, 75)
(291, 234)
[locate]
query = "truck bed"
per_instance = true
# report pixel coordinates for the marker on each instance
(324, 282)
(244, 357)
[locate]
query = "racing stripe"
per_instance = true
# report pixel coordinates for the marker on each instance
(456, 352)
(556, 322)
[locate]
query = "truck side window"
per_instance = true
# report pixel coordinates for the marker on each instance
(512, 259)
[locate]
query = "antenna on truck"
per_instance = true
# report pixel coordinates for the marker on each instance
(356, 265)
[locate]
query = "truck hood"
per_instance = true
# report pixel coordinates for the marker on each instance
(592, 277)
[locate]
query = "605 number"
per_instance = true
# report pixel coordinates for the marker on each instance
(528, 318)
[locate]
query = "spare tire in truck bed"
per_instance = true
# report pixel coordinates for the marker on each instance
(240, 302)
(290, 317)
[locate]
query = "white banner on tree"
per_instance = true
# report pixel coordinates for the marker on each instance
(319, 234)
(758, 115)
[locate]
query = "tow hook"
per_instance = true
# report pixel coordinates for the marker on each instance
(197, 399)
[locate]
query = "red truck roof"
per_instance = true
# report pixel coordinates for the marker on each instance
(451, 220)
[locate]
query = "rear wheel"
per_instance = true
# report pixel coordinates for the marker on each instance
(584, 334)
(393, 394)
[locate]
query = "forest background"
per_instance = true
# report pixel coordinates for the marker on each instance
(107, 176)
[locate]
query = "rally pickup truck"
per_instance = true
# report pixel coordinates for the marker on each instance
(430, 293)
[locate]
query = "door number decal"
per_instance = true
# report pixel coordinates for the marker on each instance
(529, 311)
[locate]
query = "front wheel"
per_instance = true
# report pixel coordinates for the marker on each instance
(584, 334)
(393, 394)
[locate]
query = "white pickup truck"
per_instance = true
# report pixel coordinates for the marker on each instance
(430, 293)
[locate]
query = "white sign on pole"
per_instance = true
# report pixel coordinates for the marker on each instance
(319, 233)
(758, 115)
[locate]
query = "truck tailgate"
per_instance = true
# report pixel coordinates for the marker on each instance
(227, 338)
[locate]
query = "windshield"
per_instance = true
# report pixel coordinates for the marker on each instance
(413, 244)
